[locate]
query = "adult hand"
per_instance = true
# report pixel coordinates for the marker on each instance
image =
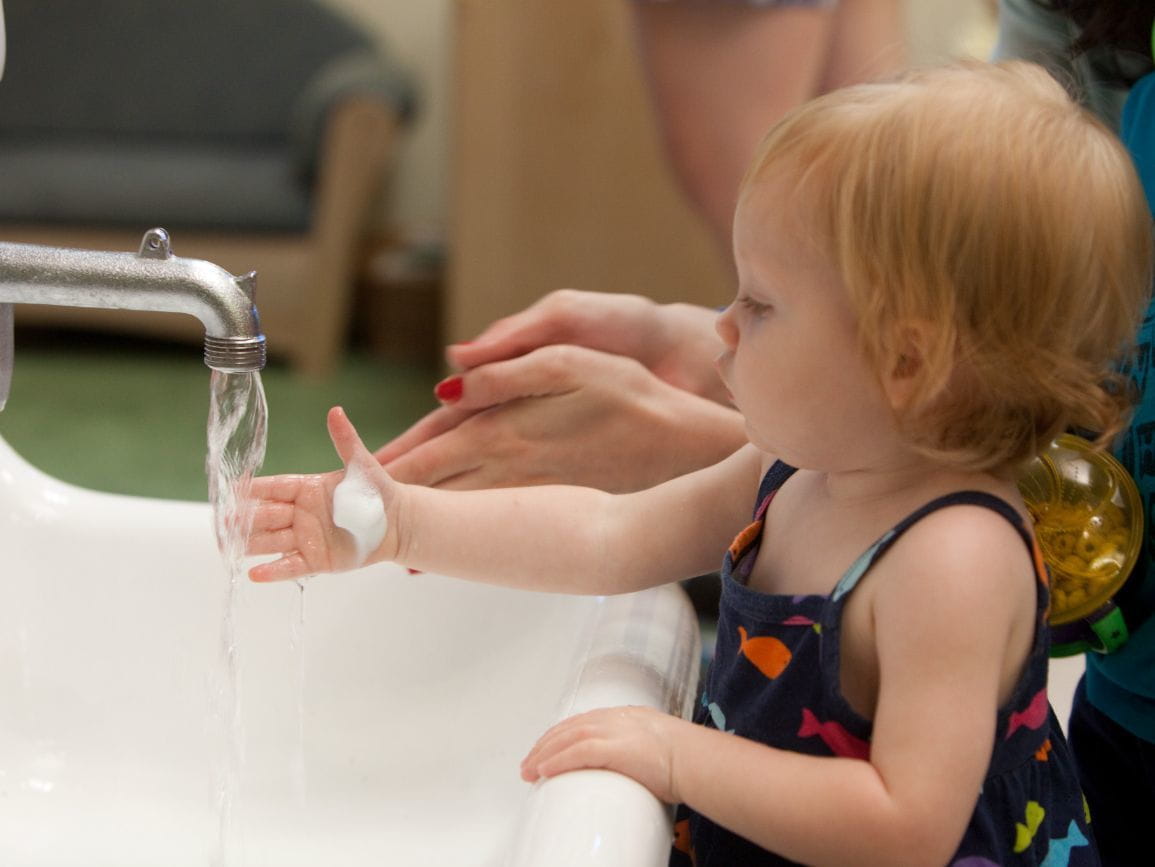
(677, 342)
(563, 414)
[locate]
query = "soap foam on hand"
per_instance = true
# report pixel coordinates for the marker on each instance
(358, 509)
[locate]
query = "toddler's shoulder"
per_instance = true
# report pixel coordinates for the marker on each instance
(965, 555)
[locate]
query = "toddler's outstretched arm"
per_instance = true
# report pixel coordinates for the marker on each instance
(557, 538)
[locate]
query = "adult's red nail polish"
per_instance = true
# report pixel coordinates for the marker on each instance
(449, 390)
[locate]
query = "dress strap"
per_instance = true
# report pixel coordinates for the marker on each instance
(968, 498)
(775, 477)
(958, 498)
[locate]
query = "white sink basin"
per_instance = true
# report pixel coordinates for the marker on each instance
(386, 729)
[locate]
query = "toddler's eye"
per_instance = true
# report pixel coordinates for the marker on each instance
(757, 308)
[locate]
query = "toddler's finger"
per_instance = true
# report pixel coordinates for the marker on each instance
(578, 755)
(345, 438)
(276, 542)
(282, 489)
(272, 516)
(555, 740)
(290, 566)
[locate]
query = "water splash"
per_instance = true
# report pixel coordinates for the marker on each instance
(297, 650)
(237, 434)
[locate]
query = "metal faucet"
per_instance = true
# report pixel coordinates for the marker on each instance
(150, 279)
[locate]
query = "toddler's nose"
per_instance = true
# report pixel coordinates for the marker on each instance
(726, 328)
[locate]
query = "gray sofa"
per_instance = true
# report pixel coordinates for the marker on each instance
(258, 132)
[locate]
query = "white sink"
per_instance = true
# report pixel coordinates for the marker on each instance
(388, 731)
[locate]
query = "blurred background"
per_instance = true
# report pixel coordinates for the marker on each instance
(399, 174)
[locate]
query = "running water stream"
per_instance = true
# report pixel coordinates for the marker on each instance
(237, 433)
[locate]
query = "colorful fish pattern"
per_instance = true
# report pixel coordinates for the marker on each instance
(745, 539)
(1025, 830)
(768, 654)
(682, 842)
(798, 620)
(1033, 716)
(1059, 853)
(717, 717)
(1043, 752)
(834, 735)
(775, 680)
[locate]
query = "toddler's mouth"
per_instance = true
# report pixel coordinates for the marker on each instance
(719, 364)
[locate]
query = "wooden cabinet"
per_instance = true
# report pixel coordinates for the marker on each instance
(558, 174)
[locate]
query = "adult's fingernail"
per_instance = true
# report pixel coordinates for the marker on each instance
(449, 390)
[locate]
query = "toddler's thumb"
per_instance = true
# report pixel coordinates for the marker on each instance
(345, 439)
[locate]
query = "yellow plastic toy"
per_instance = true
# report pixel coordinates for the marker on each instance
(1088, 519)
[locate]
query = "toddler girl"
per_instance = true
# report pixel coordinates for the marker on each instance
(937, 275)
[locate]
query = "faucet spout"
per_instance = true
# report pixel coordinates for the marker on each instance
(150, 279)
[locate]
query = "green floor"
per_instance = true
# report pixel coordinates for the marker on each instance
(129, 416)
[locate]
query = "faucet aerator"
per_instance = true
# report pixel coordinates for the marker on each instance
(235, 354)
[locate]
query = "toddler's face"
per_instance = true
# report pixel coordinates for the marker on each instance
(792, 363)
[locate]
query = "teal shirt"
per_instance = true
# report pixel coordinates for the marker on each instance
(1028, 31)
(1121, 684)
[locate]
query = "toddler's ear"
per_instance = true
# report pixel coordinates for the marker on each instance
(904, 365)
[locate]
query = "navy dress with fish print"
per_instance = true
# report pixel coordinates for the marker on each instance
(775, 679)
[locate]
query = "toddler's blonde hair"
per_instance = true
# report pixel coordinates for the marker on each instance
(977, 211)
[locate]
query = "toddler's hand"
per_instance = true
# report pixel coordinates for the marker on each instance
(295, 515)
(635, 741)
